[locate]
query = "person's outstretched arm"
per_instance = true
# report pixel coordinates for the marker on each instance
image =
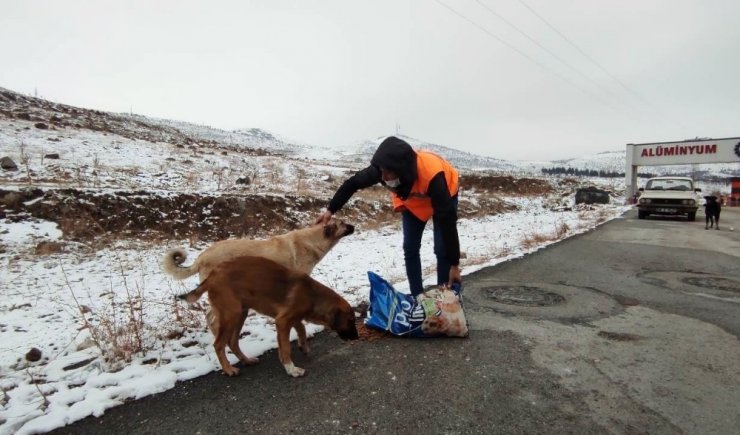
(362, 179)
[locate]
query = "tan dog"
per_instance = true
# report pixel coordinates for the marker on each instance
(271, 289)
(299, 249)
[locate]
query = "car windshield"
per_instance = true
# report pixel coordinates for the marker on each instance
(669, 184)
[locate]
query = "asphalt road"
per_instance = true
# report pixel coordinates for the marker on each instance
(629, 328)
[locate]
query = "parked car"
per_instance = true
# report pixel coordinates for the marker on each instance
(592, 195)
(668, 196)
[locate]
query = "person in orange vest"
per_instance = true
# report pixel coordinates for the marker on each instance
(423, 186)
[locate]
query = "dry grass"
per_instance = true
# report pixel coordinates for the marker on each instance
(218, 174)
(561, 230)
(475, 261)
(82, 225)
(301, 187)
(602, 215)
(531, 241)
(122, 326)
(537, 239)
(25, 160)
(48, 248)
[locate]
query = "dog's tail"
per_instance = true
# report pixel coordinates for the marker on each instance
(195, 294)
(172, 264)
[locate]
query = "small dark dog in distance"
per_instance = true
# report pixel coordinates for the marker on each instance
(712, 208)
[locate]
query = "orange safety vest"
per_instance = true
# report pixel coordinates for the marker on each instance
(419, 202)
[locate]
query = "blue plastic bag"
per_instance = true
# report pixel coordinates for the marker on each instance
(435, 313)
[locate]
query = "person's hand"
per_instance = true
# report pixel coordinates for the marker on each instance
(323, 218)
(455, 276)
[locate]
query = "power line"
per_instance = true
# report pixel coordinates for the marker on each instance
(534, 41)
(526, 56)
(635, 94)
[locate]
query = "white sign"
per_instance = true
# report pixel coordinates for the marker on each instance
(686, 152)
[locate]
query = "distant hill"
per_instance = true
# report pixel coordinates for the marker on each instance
(14, 105)
(608, 161)
(363, 151)
(52, 115)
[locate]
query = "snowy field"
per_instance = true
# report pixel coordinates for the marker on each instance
(66, 306)
(85, 329)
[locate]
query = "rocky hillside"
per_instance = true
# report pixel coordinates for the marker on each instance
(104, 176)
(48, 115)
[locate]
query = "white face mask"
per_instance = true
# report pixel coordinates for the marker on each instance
(393, 183)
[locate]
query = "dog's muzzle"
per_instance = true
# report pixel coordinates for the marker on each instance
(349, 334)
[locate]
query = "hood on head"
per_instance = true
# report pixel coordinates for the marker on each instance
(397, 155)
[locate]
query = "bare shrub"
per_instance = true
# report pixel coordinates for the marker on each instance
(505, 251)
(191, 180)
(36, 382)
(122, 337)
(300, 181)
(274, 173)
(602, 215)
(249, 169)
(561, 230)
(25, 160)
(120, 329)
(96, 162)
(219, 174)
(537, 239)
(80, 176)
(185, 317)
(477, 260)
(124, 326)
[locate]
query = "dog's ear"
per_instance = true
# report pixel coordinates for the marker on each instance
(330, 229)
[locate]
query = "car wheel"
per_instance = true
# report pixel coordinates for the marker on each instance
(641, 214)
(692, 216)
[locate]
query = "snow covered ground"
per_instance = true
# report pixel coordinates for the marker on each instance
(86, 329)
(67, 305)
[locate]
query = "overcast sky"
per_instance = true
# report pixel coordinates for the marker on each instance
(451, 72)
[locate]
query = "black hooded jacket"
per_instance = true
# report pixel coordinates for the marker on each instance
(396, 155)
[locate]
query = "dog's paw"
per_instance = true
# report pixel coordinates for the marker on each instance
(231, 371)
(294, 371)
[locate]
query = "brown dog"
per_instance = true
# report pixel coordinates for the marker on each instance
(299, 249)
(271, 289)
